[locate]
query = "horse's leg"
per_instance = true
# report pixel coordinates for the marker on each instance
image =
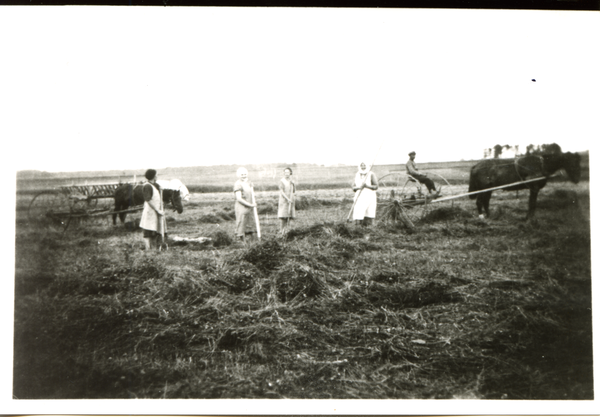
(486, 202)
(480, 205)
(114, 216)
(533, 194)
(483, 204)
(119, 207)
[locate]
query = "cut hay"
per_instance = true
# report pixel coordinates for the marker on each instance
(307, 203)
(265, 255)
(209, 218)
(220, 239)
(447, 214)
(403, 297)
(295, 280)
(325, 229)
(237, 277)
(559, 199)
(315, 230)
(335, 311)
(395, 211)
(267, 208)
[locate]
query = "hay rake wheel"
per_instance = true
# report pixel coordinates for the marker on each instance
(398, 185)
(58, 209)
(50, 208)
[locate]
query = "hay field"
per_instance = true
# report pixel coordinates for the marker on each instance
(458, 308)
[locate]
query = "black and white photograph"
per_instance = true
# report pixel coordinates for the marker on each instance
(298, 210)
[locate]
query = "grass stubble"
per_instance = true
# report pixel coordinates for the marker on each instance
(459, 308)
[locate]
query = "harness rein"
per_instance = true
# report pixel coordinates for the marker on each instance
(517, 165)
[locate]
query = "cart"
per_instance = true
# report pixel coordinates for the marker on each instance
(71, 204)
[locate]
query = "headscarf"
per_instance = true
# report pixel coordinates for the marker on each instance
(363, 171)
(361, 176)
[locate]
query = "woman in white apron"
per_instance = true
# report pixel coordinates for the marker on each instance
(153, 221)
(365, 195)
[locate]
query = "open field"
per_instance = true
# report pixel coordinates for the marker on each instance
(459, 308)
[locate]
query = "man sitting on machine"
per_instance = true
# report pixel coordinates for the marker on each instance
(411, 169)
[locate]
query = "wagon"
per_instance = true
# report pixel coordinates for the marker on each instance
(60, 207)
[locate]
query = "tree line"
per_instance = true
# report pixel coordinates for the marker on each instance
(546, 148)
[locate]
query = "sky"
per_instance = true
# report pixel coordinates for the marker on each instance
(99, 88)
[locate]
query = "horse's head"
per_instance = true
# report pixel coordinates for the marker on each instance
(176, 201)
(572, 164)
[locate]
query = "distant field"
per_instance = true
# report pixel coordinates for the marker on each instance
(265, 177)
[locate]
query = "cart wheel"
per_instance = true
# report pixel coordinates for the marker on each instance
(49, 208)
(398, 185)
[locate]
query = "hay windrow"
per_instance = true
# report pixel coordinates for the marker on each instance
(265, 255)
(326, 229)
(295, 280)
(447, 214)
(220, 239)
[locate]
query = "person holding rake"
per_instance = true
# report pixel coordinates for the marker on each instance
(153, 223)
(365, 196)
(245, 225)
(287, 206)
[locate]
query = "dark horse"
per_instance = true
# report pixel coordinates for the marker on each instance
(491, 173)
(132, 195)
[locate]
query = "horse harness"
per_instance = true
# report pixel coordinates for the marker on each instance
(517, 166)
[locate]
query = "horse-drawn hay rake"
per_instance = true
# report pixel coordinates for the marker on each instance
(67, 204)
(402, 204)
(403, 197)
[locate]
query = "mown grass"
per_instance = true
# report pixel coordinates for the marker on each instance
(460, 308)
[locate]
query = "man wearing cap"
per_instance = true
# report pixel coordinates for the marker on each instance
(411, 169)
(152, 223)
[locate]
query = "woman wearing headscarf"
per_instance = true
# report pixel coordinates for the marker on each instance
(287, 209)
(153, 223)
(365, 196)
(245, 227)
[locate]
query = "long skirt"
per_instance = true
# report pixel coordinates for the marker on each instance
(244, 220)
(366, 204)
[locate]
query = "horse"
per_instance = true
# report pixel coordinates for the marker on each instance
(491, 173)
(128, 195)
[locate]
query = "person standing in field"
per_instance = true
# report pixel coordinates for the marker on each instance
(153, 223)
(411, 169)
(287, 205)
(365, 195)
(245, 226)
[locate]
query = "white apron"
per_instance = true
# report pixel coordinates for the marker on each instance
(366, 202)
(150, 219)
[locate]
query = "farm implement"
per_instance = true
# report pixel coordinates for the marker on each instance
(404, 200)
(62, 206)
